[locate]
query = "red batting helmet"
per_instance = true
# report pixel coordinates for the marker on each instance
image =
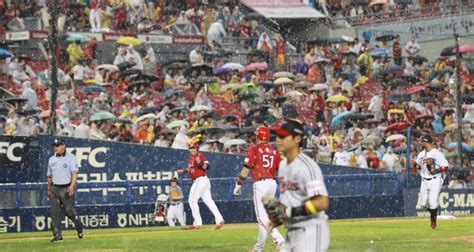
(262, 133)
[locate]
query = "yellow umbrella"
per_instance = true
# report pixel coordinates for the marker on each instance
(396, 111)
(91, 81)
(361, 80)
(337, 98)
(128, 41)
(283, 80)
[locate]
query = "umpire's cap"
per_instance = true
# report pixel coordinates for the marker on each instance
(427, 139)
(58, 142)
(290, 127)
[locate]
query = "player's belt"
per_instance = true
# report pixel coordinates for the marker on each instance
(428, 179)
(175, 204)
(262, 179)
(65, 185)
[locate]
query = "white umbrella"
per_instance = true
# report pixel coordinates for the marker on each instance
(109, 67)
(318, 87)
(395, 137)
(145, 117)
(200, 108)
(283, 80)
(293, 93)
(234, 66)
(236, 141)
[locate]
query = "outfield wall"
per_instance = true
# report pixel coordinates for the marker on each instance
(119, 182)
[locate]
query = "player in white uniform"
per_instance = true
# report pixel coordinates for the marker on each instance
(303, 194)
(176, 208)
(432, 164)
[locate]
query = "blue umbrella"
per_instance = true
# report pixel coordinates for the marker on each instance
(340, 118)
(122, 121)
(102, 115)
(393, 69)
(379, 52)
(5, 54)
(94, 89)
(465, 146)
(222, 70)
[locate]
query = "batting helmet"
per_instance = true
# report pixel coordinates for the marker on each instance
(262, 133)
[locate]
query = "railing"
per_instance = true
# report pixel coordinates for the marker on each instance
(370, 185)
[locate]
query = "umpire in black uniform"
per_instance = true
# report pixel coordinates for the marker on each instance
(62, 177)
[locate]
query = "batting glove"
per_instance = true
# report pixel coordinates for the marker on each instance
(237, 190)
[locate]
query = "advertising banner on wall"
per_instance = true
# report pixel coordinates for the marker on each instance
(455, 202)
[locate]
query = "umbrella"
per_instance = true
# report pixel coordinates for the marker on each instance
(177, 123)
(293, 93)
(377, 52)
(93, 89)
(137, 83)
(176, 65)
(465, 146)
(284, 74)
(340, 118)
(125, 65)
(323, 61)
(399, 97)
(122, 121)
(130, 72)
(396, 83)
(377, 2)
(253, 16)
(149, 110)
(257, 67)
(283, 80)
(221, 70)
(108, 67)
(337, 98)
(326, 41)
(448, 51)
(196, 108)
(5, 54)
(319, 86)
(103, 115)
(129, 41)
(399, 126)
(47, 113)
(303, 85)
(232, 86)
(147, 77)
(396, 111)
(178, 109)
(76, 5)
(386, 37)
(418, 59)
(234, 66)
(469, 99)
(393, 69)
(213, 131)
(395, 138)
(15, 99)
(237, 141)
(435, 86)
(205, 80)
(199, 69)
(464, 49)
(416, 89)
(145, 117)
(428, 99)
(77, 37)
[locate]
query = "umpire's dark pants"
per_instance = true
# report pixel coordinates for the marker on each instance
(60, 198)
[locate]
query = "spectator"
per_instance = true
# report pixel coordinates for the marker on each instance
(390, 161)
(19, 75)
(121, 56)
(265, 45)
(181, 139)
(150, 54)
(341, 157)
(280, 49)
(195, 57)
(458, 183)
(216, 33)
(82, 130)
(75, 52)
(79, 73)
(412, 48)
(134, 57)
(397, 51)
(95, 16)
(30, 95)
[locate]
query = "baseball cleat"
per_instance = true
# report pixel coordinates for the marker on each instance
(194, 227)
(57, 238)
(433, 224)
(219, 225)
(80, 233)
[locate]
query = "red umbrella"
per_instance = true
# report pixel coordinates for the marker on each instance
(415, 89)
(256, 67)
(464, 49)
(399, 126)
(47, 113)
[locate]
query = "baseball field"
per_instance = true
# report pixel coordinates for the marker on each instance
(391, 234)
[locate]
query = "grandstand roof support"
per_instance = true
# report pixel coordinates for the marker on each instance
(459, 137)
(53, 43)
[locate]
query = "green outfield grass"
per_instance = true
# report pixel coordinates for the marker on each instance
(401, 234)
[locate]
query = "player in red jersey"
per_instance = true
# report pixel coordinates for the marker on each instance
(262, 162)
(201, 188)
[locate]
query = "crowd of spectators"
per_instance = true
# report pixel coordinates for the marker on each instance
(356, 102)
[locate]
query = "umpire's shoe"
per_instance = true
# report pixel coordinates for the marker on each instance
(80, 232)
(57, 238)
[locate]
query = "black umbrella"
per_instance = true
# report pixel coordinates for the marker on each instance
(267, 84)
(28, 112)
(130, 72)
(253, 16)
(138, 83)
(425, 100)
(393, 69)
(387, 37)
(229, 118)
(359, 117)
(326, 41)
(5, 93)
(448, 51)
(396, 83)
(125, 65)
(435, 87)
(399, 97)
(5, 107)
(146, 77)
(418, 60)
(212, 131)
(469, 99)
(149, 110)
(199, 69)
(201, 80)
(303, 85)
(15, 99)
(178, 109)
(403, 1)
(350, 54)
